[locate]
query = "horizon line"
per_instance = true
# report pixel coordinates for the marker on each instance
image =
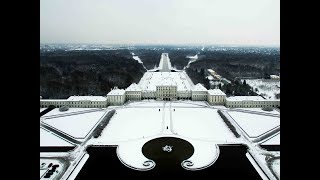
(161, 44)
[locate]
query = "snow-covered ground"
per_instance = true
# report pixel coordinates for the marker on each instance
(131, 127)
(219, 107)
(276, 167)
(254, 125)
(138, 122)
(201, 123)
(56, 111)
(259, 110)
(265, 86)
(198, 122)
(78, 168)
(192, 59)
(160, 104)
(132, 123)
(205, 154)
(78, 125)
(275, 140)
(189, 104)
(130, 154)
(146, 103)
(42, 109)
(138, 59)
(263, 159)
(44, 163)
(214, 83)
(48, 139)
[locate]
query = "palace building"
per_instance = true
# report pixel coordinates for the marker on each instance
(165, 84)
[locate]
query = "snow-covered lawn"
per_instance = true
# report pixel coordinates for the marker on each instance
(201, 123)
(42, 171)
(205, 154)
(133, 123)
(259, 110)
(130, 154)
(219, 106)
(276, 167)
(189, 104)
(254, 125)
(78, 125)
(146, 103)
(159, 104)
(48, 139)
(265, 86)
(272, 141)
(56, 111)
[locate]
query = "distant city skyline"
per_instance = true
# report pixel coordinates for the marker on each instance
(169, 22)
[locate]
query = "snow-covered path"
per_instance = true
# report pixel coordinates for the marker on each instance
(139, 60)
(192, 59)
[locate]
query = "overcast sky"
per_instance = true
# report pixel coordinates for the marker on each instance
(244, 22)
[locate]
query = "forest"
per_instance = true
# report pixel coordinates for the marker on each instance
(67, 73)
(64, 73)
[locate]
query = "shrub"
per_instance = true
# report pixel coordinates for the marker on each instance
(103, 124)
(230, 126)
(267, 108)
(63, 108)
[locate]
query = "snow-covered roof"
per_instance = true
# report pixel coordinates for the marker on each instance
(217, 76)
(210, 78)
(133, 87)
(274, 77)
(199, 87)
(150, 80)
(245, 98)
(87, 98)
(211, 71)
(116, 92)
(215, 92)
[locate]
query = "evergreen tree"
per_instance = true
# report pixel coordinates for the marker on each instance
(202, 72)
(244, 82)
(237, 82)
